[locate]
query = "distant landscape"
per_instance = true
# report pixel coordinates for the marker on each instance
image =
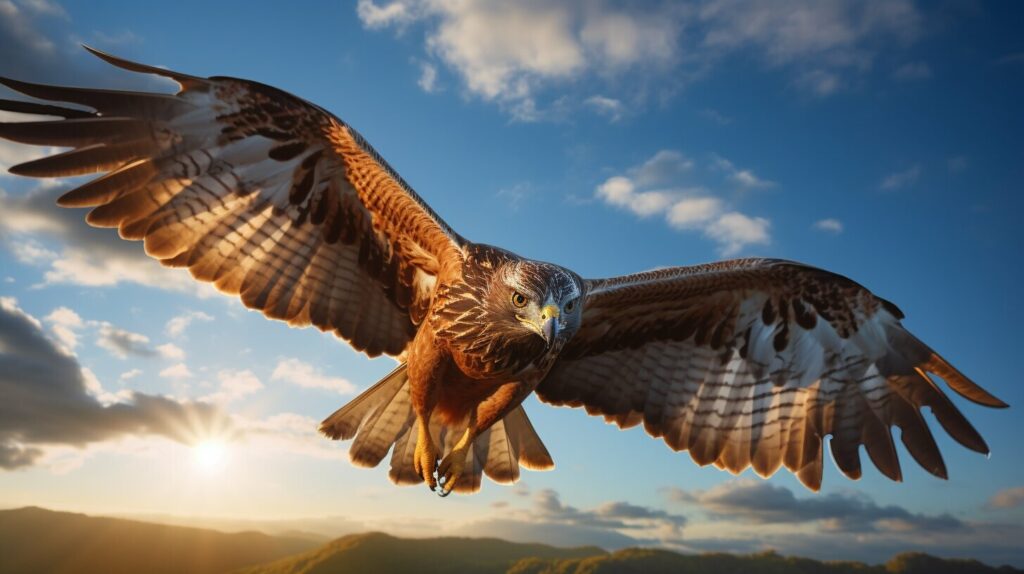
(38, 540)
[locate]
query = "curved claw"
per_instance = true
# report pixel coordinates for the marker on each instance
(450, 469)
(443, 492)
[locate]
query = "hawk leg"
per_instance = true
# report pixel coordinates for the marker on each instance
(425, 460)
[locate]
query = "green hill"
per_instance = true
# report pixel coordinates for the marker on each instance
(648, 561)
(376, 552)
(37, 540)
(43, 541)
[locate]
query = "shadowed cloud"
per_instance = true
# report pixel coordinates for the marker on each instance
(48, 400)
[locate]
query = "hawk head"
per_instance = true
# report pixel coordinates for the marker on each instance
(508, 311)
(536, 298)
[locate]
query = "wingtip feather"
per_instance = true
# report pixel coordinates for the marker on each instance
(185, 80)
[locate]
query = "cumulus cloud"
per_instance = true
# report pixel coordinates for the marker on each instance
(830, 225)
(668, 185)
(749, 516)
(1007, 498)
(614, 524)
(77, 253)
(610, 108)
(234, 385)
(507, 52)
(65, 323)
(176, 371)
(170, 351)
(764, 503)
(428, 78)
(50, 400)
(122, 343)
(516, 53)
(901, 179)
(302, 374)
(177, 325)
(129, 375)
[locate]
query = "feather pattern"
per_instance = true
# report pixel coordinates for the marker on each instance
(752, 363)
(264, 194)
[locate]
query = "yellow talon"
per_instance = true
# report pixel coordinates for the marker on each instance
(450, 469)
(425, 459)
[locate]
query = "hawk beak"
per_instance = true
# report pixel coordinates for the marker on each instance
(549, 327)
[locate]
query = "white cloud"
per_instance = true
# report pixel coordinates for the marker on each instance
(428, 78)
(177, 325)
(516, 53)
(830, 225)
(129, 375)
(901, 179)
(44, 8)
(122, 343)
(65, 323)
(82, 255)
(664, 167)
(12, 153)
(393, 13)
(734, 231)
(688, 213)
(838, 34)
(686, 206)
(746, 178)
(608, 107)
(1007, 498)
(506, 52)
(176, 371)
(305, 375)
(171, 351)
(234, 384)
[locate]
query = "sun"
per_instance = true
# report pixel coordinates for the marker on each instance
(210, 456)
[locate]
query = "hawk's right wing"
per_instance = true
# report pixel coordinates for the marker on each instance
(753, 362)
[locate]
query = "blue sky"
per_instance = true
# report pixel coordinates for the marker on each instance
(880, 140)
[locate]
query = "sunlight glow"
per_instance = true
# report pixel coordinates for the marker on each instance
(210, 456)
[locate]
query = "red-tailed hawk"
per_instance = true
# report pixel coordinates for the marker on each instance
(744, 363)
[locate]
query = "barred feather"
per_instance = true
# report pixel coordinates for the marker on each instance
(752, 363)
(268, 196)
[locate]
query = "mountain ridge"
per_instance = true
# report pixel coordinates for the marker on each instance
(34, 539)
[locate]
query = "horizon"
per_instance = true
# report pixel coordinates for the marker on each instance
(878, 140)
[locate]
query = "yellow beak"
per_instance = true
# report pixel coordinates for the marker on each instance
(549, 312)
(549, 327)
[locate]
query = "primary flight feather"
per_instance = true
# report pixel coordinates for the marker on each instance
(743, 363)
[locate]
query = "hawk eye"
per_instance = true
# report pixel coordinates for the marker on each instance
(570, 306)
(518, 299)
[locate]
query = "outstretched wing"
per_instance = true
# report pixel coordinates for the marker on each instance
(753, 362)
(257, 191)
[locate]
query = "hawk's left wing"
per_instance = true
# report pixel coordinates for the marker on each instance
(753, 362)
(262, 193)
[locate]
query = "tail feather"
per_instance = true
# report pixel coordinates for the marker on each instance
(382, 419)
(502, 458)
(345, 421)
(530, 449)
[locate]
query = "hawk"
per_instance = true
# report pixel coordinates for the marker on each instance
(742, 363)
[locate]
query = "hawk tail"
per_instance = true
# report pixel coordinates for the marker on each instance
(382, 417)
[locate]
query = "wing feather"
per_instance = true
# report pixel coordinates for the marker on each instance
(257, 191)
(753, 363)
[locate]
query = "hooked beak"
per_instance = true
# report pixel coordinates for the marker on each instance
(549, 327)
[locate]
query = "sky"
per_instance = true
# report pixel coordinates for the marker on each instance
(880, 139)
